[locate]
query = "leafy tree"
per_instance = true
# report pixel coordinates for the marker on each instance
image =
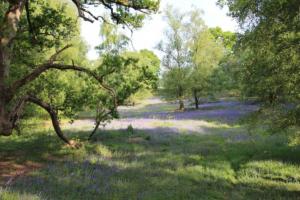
(29, 31)
(176, 58)
(140, 69)
(269, 50)
(175, 85)
(206, 53)
(128, 72)
(191, 55)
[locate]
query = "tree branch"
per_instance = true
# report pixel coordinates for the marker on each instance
(31, 30)
(53, 116)
(109, 4)
(54, 56)
(98, 121)
(51, 65)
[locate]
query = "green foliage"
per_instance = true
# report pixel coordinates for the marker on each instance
(129, 13)
(227, 38)
(36, 44)
(34, 47)
(192, 54)
(54, 24)
(206, 55)
(269, 52)
(175, 84)
(132, 71)
(225, 79)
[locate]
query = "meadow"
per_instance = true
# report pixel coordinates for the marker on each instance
(219, 159)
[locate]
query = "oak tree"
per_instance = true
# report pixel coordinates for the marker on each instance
(33, 28)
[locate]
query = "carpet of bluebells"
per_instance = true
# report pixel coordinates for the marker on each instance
(157, 153)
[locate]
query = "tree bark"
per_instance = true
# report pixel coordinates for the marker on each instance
(181, 104)
(6, 126)
(95, 130)
(180, 98)
(8, 30)
(53, 115)
(196, 99)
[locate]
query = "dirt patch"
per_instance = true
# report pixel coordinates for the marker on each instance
(10, 170)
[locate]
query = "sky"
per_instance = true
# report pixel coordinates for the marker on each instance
(153, 30)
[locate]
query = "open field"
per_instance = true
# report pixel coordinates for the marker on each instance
(196, 154)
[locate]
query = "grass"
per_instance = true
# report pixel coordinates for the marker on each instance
(223, 162)
(122, 165)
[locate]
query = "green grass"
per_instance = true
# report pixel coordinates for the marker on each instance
(121, 165)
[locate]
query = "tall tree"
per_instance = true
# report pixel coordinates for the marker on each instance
(176, 60)
(191, 55)
(205, 52)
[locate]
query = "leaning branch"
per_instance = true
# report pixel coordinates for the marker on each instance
(47, 66)
(53, 115)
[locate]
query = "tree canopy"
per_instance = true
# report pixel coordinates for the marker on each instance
(31, 30)
(191, 54)
(268, 53)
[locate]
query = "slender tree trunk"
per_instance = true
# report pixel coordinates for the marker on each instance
(180, 97)
(95, 130)
(181, 104)
(272, 98)
(196, 99)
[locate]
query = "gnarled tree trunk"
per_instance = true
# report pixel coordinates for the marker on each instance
(8, 30)
(9, 116)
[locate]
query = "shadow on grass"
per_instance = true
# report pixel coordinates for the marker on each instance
(123, 165)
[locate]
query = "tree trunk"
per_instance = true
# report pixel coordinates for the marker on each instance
(180, 97)
(8, 30)
(6, 126)
(181, 104)
(272, 98)
(196, 99)
(10, 114)
(95, 130)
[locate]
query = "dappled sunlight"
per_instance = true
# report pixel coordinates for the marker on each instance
(271, 173)
(160, 117)
(174, 167)
(160, 155)
(156, 126)
(205, 113)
